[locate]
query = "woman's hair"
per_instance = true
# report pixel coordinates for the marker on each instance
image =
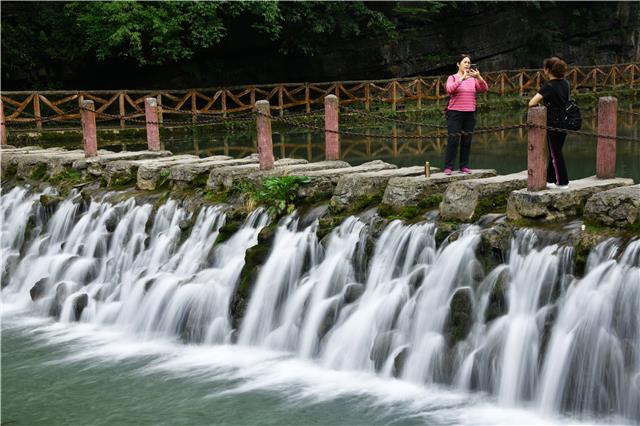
(462, 56)
(556, 66)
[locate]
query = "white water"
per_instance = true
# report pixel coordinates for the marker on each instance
(144, 278)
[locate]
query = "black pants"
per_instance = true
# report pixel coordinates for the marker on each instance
(459, 120)
(556, 167)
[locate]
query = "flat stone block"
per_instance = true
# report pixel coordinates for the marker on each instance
(356, 187)
(297, 170)
(555, 205)
(223, 178)
(323, 182)
(619, 207)
(418, 190)
(95, 165)
(155, 172)
(461, 200)
(183, 174)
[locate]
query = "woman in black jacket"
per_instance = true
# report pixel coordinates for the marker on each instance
(555, 93)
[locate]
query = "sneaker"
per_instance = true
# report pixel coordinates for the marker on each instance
(448, 171)
(466, 170)
(551, 185)
(562, 186)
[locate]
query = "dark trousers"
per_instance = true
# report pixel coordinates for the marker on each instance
(457, 121)
(556, 167)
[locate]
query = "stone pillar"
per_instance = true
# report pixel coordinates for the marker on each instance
(331, 137)
(265, 144)
(153, 131)
(89, 137)
(3, 125)
(606, 150)
(538, 151)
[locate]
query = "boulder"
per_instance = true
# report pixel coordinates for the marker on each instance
(466, 200)
(460, 315)
(619, 207)
(78, 304)
(38, 289)
(352, 292)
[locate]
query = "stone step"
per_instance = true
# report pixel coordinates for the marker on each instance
(555, 205)
(55, 161)
(422, 191)
(323, 182)
(468, 199)
(125, 171)
(619, 207)
(152, 175)
(354, 189)
(297, 170)
(183, 175)
(95, 165)
(223, 178)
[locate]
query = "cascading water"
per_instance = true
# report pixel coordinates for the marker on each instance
(526, 331)
(146, 281)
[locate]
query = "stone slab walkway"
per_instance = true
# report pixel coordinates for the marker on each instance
(555, 205)
(418, 190)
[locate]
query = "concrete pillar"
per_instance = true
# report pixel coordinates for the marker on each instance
(153, 131)
(3, 125)
(606, 150)
(538, 151)
(265, 144)
(331, 137)
(89, 136)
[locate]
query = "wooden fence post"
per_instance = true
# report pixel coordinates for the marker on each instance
(265, 144)
(537, 150)
(606, 150)
(3, 125)
(36, 111)
(121, 109)
(153, 131)
(331, 137)
(89, 138)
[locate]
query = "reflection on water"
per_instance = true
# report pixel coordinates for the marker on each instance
(504, 151)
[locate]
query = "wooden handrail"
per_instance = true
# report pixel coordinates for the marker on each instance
(59, 105)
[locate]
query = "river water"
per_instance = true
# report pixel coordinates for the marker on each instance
(112, 314)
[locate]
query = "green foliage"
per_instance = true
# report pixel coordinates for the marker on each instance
(280, 193)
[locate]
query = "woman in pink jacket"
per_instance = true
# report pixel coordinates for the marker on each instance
(462, 88)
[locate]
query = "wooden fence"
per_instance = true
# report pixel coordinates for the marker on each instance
(34, 110)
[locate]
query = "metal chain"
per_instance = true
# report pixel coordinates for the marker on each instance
(480, 130)
(625, 111)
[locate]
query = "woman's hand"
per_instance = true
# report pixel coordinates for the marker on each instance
(474, 73)
(465, 75)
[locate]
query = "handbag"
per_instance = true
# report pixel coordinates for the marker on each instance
(570, 116)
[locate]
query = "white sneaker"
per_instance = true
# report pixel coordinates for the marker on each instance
(551, 185)
(562, 186)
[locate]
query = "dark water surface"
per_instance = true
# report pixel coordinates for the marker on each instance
(504, 151)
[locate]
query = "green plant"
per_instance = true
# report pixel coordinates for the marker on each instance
(280, 193)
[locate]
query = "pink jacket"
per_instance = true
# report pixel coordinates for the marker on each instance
(463, 93)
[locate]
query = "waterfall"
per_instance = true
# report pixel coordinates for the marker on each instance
(397, 304)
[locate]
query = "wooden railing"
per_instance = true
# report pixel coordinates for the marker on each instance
(51, 108)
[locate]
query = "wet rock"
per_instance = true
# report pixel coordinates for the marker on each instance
(381, 348)
(78, 304)
(38, 289)
(497, 305)
(50, 201)
(111, 223)
(56, 305)
(352, 292)
(185, 224)
(460, 315)
(330, 318)
(399, 361)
